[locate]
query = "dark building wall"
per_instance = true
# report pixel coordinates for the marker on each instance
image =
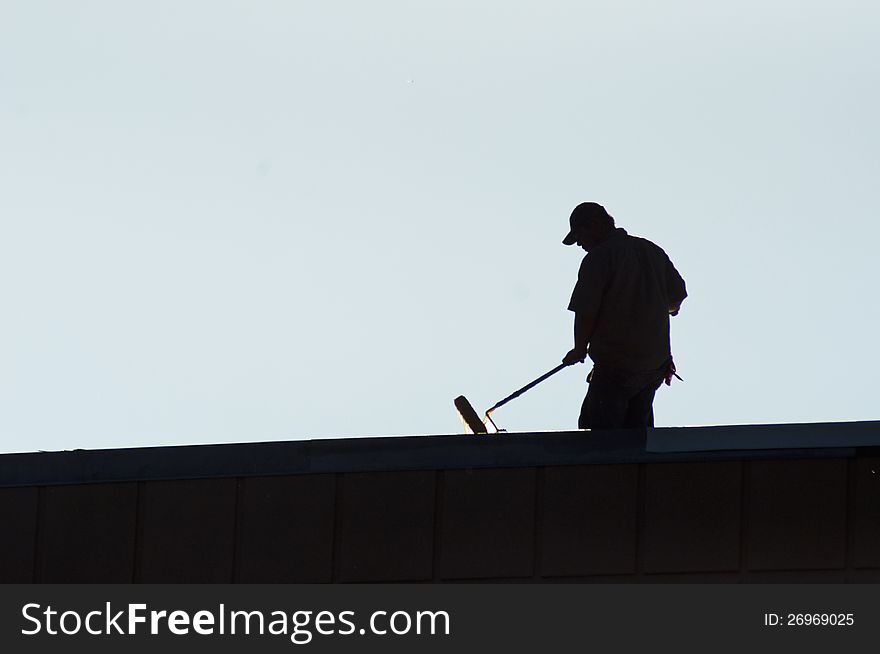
(736, 520)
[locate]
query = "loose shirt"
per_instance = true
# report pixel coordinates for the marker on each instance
(626, 288)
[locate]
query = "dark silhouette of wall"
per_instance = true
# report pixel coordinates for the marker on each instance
(589, 508)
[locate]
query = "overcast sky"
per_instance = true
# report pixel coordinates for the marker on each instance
(255, 220)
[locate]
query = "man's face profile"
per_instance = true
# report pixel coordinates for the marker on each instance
(586, 234)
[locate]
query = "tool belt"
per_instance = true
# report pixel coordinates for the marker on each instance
(635, 379)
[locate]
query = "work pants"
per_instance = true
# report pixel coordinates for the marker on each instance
(619, 399)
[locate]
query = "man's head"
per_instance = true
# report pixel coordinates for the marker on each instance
(590, 225)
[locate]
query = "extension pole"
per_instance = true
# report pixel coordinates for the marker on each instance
(516, 394)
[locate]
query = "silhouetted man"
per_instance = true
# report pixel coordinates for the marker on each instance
(626, 290)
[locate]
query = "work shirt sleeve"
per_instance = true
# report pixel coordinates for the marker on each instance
(593, 278)
(675, 287)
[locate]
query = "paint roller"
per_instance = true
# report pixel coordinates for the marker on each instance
(472, 419)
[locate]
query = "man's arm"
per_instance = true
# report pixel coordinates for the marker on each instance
(583, 331)
(676, 291)
(586, 300)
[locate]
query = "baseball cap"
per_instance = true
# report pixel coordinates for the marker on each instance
(581, 215)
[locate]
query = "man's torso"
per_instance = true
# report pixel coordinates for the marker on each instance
(623, 281)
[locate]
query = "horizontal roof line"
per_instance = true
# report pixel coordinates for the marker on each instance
(528, 449)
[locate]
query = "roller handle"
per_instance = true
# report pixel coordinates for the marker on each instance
(516, 394)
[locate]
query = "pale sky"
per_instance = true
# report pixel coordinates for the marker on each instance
(254, 220)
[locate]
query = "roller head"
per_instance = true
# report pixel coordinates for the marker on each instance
(469, 416)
